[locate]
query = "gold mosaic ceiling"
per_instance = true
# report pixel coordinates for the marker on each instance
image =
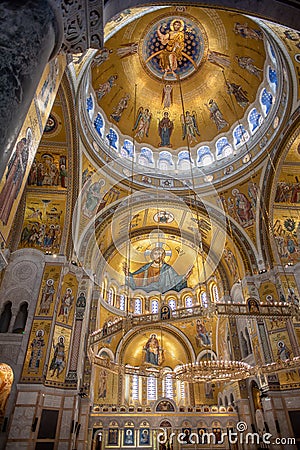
(201, 63)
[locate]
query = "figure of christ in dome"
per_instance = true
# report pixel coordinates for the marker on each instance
(165, 128)
(154, 354)
(173, 40)
(156, 275)
(142, 123)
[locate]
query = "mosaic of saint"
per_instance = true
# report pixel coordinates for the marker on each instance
(173, 47)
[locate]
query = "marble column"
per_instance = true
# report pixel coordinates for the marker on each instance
(31, 33)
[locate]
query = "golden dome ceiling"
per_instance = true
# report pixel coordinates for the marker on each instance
(199, 53)
(183, 88)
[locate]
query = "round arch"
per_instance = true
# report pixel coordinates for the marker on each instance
(281, 12)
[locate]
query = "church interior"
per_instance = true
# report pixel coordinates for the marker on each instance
(150, 238)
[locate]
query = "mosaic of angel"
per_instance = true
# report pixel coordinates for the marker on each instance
(247, 63)
(239, 93)
(247, 32)
(106, 87)
(142, 123)
(189, 126)
(216, 115)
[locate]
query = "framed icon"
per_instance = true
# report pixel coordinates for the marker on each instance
(113, 437)
(128, 437)
(144, 437)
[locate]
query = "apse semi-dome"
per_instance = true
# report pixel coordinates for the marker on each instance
(184, 92)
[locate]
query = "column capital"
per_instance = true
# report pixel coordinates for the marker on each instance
(83, 24)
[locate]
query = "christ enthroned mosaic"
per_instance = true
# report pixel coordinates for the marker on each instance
(173, 47)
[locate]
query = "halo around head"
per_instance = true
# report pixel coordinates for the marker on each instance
(177, 20)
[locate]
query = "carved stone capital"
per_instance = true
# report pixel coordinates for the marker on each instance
(83, 24)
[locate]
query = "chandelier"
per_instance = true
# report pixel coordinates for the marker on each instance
(213, 370)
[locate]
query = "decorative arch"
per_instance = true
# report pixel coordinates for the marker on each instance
(165, 405)
(210, 354)
(181, 338)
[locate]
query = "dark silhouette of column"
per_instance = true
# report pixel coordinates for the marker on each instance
(31, 33)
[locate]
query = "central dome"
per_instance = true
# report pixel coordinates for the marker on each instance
(169, 92)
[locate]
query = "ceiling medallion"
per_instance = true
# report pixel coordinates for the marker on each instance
(173, 47)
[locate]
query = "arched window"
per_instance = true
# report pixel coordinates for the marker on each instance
(135, 387)
(21, 319)
(182, 389)
(172, 304)
(203, 298)
(266, 100)
(240, 135)
(151, 388)
(272, 78)
(204, 156)
(168, 391)
(146, 157)
(99, 125)
(184, 160)
(5, 318)
(188, 302)
(137, 306)
(248, 340)
(113, 139)
(215, 293)
(255, 120)
(154, 306)
(223, 148)
(244, 345)
(122, 302)
(165, 160)
(110, 297)
(90, 106)
(128, 149)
